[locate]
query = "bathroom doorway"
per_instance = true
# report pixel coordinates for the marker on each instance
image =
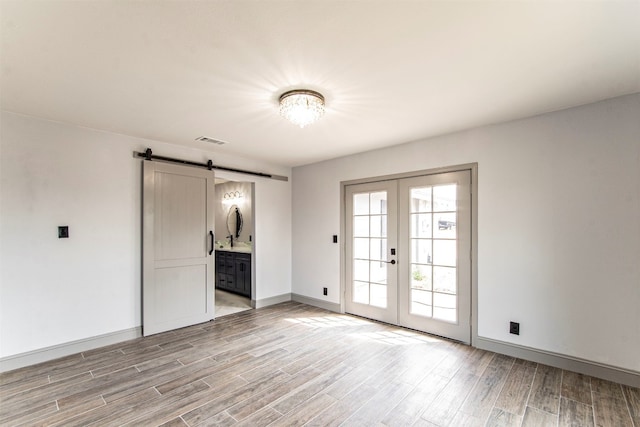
(234, 250)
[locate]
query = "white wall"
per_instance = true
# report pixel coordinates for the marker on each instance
(54, 291)
(558, 225)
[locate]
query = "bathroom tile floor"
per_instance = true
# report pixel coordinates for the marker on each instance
(229, 303)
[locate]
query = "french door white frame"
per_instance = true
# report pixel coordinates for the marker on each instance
(473, 169)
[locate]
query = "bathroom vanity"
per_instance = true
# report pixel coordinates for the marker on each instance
(233, 272)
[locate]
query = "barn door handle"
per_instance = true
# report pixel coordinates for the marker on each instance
(212, 242)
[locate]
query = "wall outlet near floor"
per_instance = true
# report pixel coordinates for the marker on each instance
(514, 328)
(63, 232)
(324, 291)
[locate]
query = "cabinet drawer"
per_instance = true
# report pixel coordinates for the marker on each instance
(243, 257)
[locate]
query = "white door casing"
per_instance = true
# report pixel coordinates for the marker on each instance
(177, 250)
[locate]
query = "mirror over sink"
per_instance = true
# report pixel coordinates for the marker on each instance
(234, 221)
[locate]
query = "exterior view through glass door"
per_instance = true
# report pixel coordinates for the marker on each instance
(408, 249)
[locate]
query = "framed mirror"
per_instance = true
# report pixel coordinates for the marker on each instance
(234, 221)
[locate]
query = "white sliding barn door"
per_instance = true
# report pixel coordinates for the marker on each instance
(177, 247)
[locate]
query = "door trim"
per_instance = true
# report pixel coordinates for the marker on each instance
(473, 168)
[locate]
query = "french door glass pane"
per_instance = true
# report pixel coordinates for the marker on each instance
(378, 226)
(361, 204)
(444, 300)
(370, 248)
(378, 203)
(445, 314)
(378, 272)
(421, 277)
(445, 225)
(444, 198)
(421, 199)
(421, 302)
(421, 225)
(433, 245)
(361, 292)
(361, 248)
(444, 306)
(378, 295)
(444, 280)
(361, 226)
(421, 251)
(361, 270)
(444, 252)
(378, 249)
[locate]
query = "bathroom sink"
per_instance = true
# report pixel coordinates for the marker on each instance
(237, 247)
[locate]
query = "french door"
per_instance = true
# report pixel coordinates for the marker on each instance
(177, 253)
(371, 212)
(408, 252)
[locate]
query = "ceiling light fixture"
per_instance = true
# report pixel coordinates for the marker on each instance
(301, 107)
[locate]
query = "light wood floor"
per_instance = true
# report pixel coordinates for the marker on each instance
(292, 364)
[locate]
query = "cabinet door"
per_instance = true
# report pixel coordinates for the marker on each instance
(221, 276)
(230, 260)
(247, 276)
(243, 274)
(229, 270)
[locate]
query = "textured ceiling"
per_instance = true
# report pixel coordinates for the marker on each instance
(391, 71)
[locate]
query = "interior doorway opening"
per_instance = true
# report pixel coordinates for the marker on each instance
(234, 246)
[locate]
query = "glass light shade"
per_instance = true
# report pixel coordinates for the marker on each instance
(302, 107)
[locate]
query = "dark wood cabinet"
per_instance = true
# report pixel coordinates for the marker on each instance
(233, 272)
(243, 274)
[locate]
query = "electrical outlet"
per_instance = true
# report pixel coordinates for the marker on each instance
(514, 328)
(63, 232)
(324, 291)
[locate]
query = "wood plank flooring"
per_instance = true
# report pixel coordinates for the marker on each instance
(292, 365)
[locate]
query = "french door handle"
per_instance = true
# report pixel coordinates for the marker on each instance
(212, 242)
(393, 261)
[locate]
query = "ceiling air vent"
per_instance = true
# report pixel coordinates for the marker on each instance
(211, 140)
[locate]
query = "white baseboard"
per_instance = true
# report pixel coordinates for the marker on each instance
(270, 301)
(562, 361)
(21, 360)
(331, 306)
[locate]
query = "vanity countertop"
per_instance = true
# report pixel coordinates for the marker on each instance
(242, 249)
